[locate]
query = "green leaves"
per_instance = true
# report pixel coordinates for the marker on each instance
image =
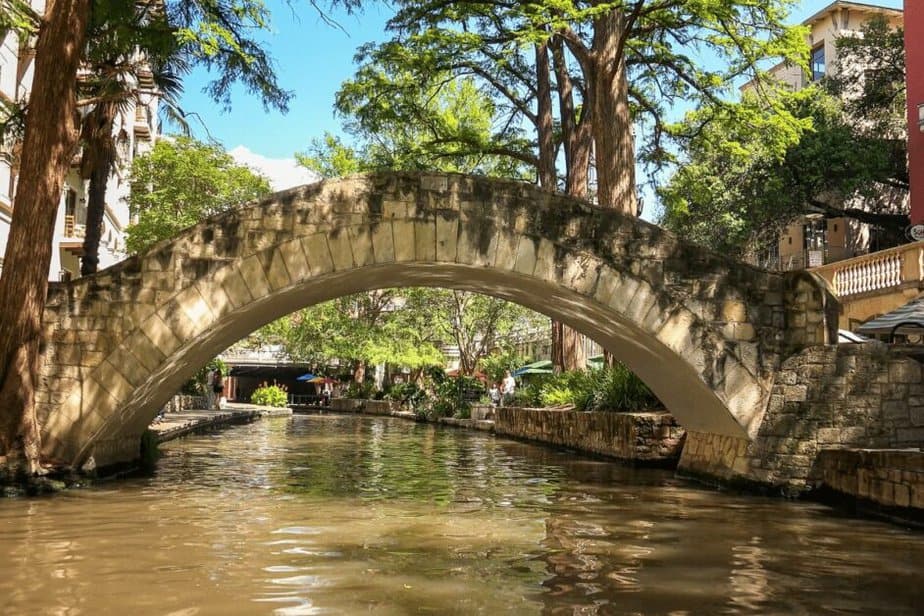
(180, 182)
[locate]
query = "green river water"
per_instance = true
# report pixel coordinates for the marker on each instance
(361, 515)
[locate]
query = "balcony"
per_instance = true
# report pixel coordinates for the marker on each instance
(142, 122)
(72, 229)
(888, 270)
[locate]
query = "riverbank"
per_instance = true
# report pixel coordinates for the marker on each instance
(180, 423)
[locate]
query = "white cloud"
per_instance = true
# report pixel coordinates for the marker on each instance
(282, 172)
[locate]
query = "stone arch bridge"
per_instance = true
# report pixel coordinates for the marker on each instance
(706, 333)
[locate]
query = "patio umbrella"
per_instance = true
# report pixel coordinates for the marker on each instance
(323, 379)
(543, 366)
(305, 377)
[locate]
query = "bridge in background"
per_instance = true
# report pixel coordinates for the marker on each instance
(707, 334)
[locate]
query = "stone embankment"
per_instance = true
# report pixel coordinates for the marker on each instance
(885, 482)
(652, 438)
(175, 424)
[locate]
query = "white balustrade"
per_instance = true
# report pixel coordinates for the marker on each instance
(872, 273)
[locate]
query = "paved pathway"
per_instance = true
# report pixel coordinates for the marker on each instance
(175, 425)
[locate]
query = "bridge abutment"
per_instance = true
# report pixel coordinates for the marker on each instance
(826, 397)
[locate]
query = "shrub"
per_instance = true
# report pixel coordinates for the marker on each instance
(617, 388)
(605, 389)
(270, 395)
(360, 391)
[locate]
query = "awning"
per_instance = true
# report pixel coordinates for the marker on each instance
(543, 366)
(906, 320)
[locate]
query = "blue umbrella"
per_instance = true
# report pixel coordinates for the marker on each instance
(305, 377)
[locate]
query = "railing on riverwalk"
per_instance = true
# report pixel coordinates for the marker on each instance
(889, 269)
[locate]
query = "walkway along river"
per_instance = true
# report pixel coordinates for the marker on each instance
(355, 514)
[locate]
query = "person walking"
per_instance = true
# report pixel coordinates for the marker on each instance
(495, 394)
(508, 387)
(218, 388)
(210, 388)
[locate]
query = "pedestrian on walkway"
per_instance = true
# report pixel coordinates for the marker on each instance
(210, 388)
(218, 389)
(508, 387)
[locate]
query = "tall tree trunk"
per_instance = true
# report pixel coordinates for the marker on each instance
(50, 138)
(567, 343)
(576, 132)
(547, 176)
(99, 155)
(608, 88)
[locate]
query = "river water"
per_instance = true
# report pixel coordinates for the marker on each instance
(361, 515)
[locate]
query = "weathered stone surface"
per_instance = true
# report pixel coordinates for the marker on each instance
(828, 397)
(651, 437)
(707, 333)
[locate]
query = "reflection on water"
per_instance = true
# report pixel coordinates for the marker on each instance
(348, 515)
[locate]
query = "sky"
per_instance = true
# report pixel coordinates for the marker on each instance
(313, 58)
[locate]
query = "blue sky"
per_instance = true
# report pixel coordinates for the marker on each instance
(313, 59)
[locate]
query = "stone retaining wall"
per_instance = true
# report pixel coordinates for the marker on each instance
(346, 405)
(866, 396)
(889, 478)
(185, 402)
(649, 437)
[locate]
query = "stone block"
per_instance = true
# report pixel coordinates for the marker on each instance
(581, 272)
(447, 238)
(161, 335)
(198, 315)
(734, 310)
(340, 248)
(254, 276)
(795, 393)
(318, 255)
(425, 240)
(294, 260)
(507, 248)
(383, 243)
(403, 232)
(525, 261)
(236, 289)
(361, 241)
(906, 371)
(895, 410)
(546, 267)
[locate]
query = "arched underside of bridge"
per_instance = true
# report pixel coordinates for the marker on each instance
(161, 317)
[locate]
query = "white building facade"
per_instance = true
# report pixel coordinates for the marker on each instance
(134, 131)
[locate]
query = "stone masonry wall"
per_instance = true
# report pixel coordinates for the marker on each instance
(888, 478)
(706, 332)
(628, 436)
(827, 397)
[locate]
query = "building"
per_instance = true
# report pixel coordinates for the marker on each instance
(914, 74)
(816, 240)
(135, 130)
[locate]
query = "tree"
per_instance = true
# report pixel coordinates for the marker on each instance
(748, 175)
(633, 60)
(362, 329)
(180, 182)
(435, 129)
(128, 43)
(50, 136)
(217, 34)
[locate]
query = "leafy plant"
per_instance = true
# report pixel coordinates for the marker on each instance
(270, 395)
(360, 391)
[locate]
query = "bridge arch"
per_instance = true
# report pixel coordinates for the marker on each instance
(705, 333)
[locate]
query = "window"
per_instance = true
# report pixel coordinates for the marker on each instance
(818, 62)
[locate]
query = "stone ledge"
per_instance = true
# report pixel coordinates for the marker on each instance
(885, 481)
